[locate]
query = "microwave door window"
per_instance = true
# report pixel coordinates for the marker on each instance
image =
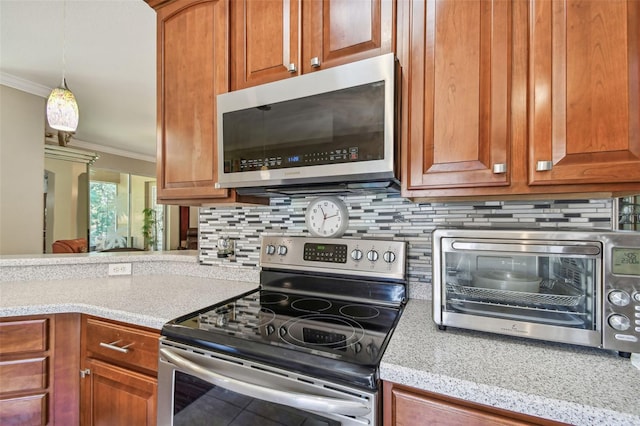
(336, 127)
(547, 289)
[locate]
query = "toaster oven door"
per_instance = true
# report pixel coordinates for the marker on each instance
(537, 289)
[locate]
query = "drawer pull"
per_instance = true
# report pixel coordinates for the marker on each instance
(112, 346)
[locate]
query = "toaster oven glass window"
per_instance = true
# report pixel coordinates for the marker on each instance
(556, 288)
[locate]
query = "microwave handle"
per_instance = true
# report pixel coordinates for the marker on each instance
(527, 248)
(291, 399)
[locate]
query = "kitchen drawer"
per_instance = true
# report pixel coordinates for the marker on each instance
(122, 345)
(24, 411)
(24, 374)
(24, 336)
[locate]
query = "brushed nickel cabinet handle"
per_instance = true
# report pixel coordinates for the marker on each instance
(113, 347)
(292, 68)
(543, 166)
(500, 168)
(315, 62)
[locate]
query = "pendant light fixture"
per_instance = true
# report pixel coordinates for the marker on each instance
(62, 108)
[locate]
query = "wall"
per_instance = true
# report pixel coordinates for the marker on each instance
(69, 216)
(21, 172)
(391, 217)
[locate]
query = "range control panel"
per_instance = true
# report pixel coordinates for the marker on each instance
(381, 258)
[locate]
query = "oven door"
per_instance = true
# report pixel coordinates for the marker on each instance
(541, 289)
(197, 387)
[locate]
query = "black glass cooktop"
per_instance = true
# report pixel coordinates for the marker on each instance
(330, 336)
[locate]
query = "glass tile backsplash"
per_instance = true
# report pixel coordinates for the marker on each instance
(390, 217)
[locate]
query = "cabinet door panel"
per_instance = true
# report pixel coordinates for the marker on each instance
(24, 336)
(585, 95)
(193, 69)
(115, 396)
(264, 41)
(24, 411)
(459, 96)
(24, 374)
(342, 31)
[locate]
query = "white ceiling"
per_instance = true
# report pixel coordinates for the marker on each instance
(110, 60)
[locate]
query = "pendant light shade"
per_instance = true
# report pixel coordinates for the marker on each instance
(62, 109)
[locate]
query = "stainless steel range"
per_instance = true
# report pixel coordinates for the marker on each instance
(303, 348)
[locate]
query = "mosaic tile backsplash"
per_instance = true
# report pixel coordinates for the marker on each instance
(385, 216)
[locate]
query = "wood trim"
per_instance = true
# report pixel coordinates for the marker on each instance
(66, 369)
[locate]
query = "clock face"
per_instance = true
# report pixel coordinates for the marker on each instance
(327, 217)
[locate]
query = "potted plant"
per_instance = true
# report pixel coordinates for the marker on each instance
(149, 228)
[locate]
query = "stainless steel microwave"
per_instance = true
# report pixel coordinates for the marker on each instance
(578, 287)
(333, 128)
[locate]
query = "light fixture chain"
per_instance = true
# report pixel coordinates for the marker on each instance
(64, 42)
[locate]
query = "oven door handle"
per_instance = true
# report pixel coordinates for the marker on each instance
(291, 399)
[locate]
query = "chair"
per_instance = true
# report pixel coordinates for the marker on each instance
(78, 245)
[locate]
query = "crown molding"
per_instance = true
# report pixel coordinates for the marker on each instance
(24, 85)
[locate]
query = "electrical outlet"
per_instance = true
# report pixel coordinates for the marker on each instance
(119, 269)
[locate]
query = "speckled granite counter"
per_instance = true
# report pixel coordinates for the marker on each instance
(147, 300)
(582, 386)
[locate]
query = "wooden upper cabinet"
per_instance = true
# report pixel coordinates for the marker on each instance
(276, 39)
(458, 94)
(336, 32)
(264, 41)
(193, 68)
(584, 91)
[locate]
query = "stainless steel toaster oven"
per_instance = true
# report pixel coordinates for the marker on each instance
(577, 287)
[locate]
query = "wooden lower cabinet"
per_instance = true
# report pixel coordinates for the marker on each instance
(406, 406)
(39, 360)
(119, 373)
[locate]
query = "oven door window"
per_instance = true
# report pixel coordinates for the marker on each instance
(197, 402)
(534, 283)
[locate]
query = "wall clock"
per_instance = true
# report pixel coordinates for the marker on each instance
(327, 217)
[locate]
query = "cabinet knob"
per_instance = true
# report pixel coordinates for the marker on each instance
(500, 168)
(543, 166)
(292, 68)
(315, 62)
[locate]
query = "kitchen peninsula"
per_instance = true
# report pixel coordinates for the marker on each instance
(559, 382)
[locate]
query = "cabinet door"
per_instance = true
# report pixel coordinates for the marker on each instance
(192, 70)
(336, 32)
(584, 93)
(459, 76)
(264, 41)
(116, 396)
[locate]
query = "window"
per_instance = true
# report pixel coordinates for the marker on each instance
(116, 211)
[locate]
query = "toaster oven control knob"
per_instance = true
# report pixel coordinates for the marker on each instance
(619, 322)
(282, 250)
(619, 298)
(270, 249)
(372, 255)
(637, 297)
(356, 255)
(389, 256)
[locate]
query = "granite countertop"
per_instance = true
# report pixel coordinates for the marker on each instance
(567, 383)
(188, 256)
(146, 300)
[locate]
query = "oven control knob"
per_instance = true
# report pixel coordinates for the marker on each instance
(372, 350)
(270, 249)
(270, 329)
(282, 250)
(389, 256)
(356, 255)
(282, 331)
(357, 347)
(372, 255)
(619, 322)
(619, 298)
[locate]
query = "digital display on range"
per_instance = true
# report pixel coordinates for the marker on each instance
(625, 261)
(332, 253)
